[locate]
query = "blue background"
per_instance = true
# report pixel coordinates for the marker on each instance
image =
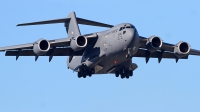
(29, 86)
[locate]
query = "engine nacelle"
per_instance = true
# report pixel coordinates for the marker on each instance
(78, 43)
(41, 47)
(181, 49)
(154, 43)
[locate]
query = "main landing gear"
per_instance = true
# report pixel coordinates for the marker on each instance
(124, 73)
(85, 71)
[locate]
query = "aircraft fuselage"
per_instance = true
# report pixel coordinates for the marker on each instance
(112, 48)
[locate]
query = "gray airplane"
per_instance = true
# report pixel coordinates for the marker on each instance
(108, 51)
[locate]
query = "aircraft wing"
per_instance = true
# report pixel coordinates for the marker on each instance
(79, 21)
(57, 52)
(166, 51)
(59, 47)
(58, 43)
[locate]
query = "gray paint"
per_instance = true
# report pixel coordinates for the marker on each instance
(108, 51)
(72, 26)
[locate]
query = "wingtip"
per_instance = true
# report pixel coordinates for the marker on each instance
(23, 24)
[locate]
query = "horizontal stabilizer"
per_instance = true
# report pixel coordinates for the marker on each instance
(92, 23)
(46, 22)
(64, 20)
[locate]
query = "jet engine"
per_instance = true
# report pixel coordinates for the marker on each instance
(181, 49)
(154, 43)
(41, 47)
(78, 43)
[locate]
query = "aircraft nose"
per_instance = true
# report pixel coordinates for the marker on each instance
(130, 34)
(132, 39)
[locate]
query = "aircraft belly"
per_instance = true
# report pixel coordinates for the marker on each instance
(111, 61)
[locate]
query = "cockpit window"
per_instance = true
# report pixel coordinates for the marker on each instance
(121, 28)
(129, 26)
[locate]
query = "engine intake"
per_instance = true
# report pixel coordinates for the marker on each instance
(154, 43)
(41, 47)
(78, 43)
(181, 49)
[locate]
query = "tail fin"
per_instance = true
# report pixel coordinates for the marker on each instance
(72, 26)
(71, 23)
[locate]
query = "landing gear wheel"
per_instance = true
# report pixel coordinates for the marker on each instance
(117, 74)
(127, 76)
(90, 74)
(121, 72)
(79, 75)
(122, 75)
(84, 74)
(126, 72)
(92, 71)
(131, 73)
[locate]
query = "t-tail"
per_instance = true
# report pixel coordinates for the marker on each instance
(71, 24)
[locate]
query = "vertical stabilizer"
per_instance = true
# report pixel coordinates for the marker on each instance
(72, 26)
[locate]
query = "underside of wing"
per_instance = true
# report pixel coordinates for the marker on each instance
(42, 47)
(157, 54)
(143, 53)
(51, 52)
(154, 47)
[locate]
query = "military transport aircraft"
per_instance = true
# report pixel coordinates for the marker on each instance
(108, 51)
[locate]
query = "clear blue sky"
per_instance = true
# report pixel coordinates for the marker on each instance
(28, 86)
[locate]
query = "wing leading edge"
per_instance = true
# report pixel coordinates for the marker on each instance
(54, 43)
(58, 47)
